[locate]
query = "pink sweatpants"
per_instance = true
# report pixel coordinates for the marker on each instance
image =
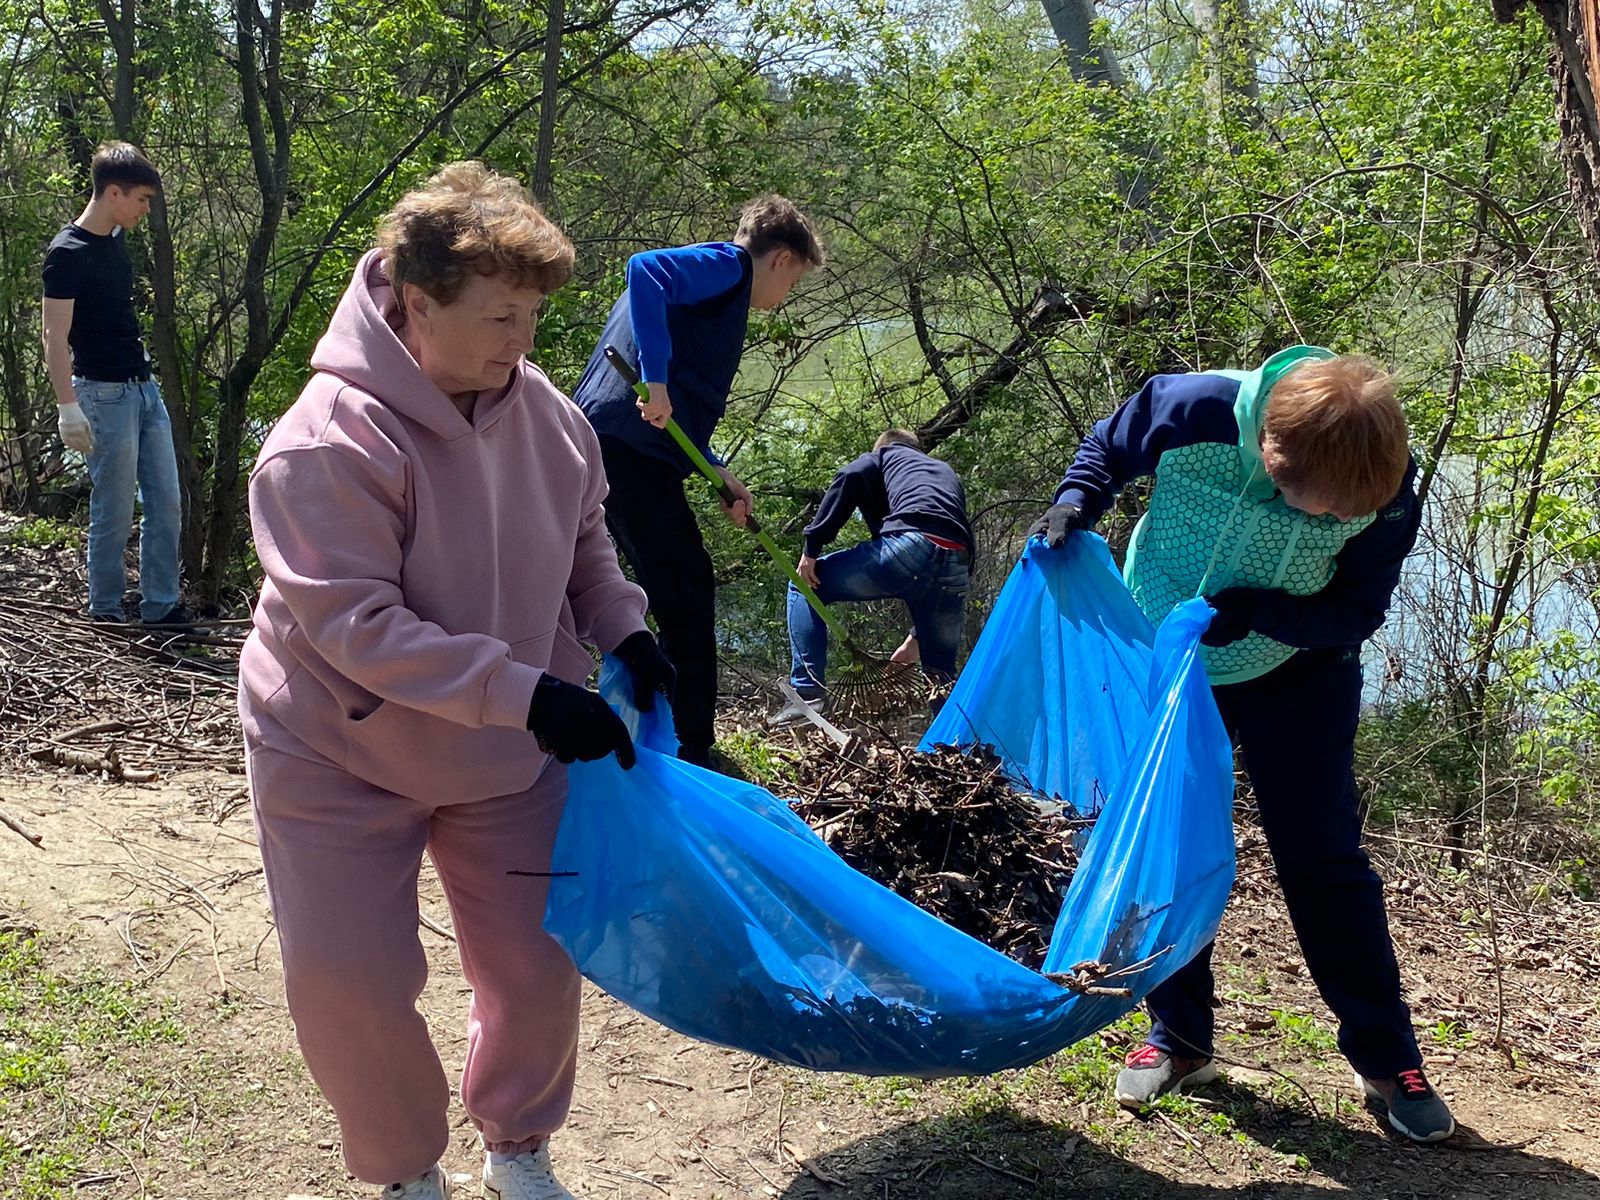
(342, 859)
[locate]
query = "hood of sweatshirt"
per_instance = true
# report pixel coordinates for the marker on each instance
(1250, 410)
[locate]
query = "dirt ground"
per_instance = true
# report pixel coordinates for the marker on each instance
(159, 886)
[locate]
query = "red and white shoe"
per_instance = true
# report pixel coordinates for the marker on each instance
(1151, 1073)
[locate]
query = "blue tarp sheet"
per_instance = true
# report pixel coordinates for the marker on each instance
(706, 904)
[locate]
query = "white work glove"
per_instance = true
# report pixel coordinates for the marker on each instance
(74, 428)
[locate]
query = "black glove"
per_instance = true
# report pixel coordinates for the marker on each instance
(574, 723)
(1058, 521)
(1235, 609)
(650, 669)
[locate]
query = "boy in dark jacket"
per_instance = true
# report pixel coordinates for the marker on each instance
(920, 552)
(681, 322)
(1286, 497)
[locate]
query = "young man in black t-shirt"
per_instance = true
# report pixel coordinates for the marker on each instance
(108, 406)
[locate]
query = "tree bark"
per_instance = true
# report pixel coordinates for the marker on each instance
(1505, 589)
(1574, 27)
(549, 99)
(120, 28)
(1090, 59)
(15, 383)
(1229, 49)
(258, 39)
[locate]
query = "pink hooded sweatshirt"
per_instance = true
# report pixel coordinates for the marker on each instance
(422, 569)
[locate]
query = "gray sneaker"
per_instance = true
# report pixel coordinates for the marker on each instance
(1412, 1106)
(794, 713)
(1151, 1073)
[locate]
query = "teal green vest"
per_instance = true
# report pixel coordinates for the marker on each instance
(1216, 520)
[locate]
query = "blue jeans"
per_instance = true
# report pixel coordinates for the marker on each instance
(1296, 726)
(932, 580)
(132, 455)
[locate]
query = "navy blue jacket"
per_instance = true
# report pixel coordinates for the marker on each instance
(1172, 411)
(681, 322)
(898, 490)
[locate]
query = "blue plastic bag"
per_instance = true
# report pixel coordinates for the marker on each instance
(706, 904)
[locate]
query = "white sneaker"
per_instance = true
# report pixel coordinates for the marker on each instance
(794, 712)
(525, 1177)
(434, 1185)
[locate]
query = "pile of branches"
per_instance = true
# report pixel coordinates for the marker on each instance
(121, 701)
(949, 832)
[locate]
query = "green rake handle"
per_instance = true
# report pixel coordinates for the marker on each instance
(625, 369)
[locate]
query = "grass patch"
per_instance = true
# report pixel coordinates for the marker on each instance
(1304, 1032)
(87, 1069)
(44, 533)
(759, 759)
(888, 1090)
(1452, 1035)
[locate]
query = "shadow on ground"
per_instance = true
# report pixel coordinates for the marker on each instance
(1006, 1154)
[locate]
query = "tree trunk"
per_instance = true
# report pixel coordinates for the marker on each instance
(1575, 68)
(258, 39)
(1090, 59)
(1505, 590)
(14, 380)
(176, 393)
(1228, 46)
(120, 28)
(549, 99)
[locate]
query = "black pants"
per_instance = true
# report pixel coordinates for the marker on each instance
(649, 516)
(1296, 727)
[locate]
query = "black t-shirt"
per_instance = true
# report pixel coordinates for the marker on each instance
(94, 271)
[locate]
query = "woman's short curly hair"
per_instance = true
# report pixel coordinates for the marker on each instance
(469, 220)
(1337, 431)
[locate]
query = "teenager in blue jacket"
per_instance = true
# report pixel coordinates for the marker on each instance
(1285, 496)
(681, 323)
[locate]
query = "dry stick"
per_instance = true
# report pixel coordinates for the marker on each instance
(216, 961)
(1192, 1143)
(162, 967)
(19, 828)
(810, 1167)
(632, 1176)
(1267, 1068)
(667, 1082)
(1030, 1180)
(429, 923)
(1499, 1042)
(92, 728)
(771, 1182)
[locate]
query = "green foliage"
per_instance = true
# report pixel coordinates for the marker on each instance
(1395, 190)
(45, 533)
(1305, 1032)
(761, 761)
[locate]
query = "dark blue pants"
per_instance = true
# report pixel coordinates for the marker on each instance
(650, 519)
(1296, 728)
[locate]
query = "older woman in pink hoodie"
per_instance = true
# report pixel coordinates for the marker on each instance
(428, 516)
